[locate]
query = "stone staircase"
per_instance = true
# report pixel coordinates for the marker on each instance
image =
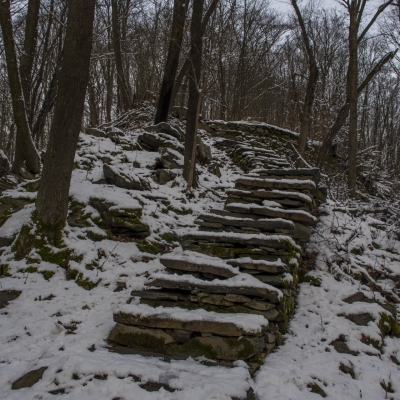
(230, 293)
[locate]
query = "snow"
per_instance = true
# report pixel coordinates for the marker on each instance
(13, 225)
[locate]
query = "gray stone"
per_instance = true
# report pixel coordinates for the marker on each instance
(166, 322)
(341, 347)
(133, 336)
(163, 176)
(214, 169)
(209, 287)
(5, 165)
(153, 141)
(163, 127)
(203, 267)
(170, 159)
(300, 173)
(29, 379)
(7, 296)
(203, 152)
(361, 319)
(275, 184)
(158, 295)
(114, 176)
(96, 132)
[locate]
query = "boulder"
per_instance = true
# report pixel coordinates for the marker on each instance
(163, 176)
(170, 159)
(169, 130)
(29, 379)
(153, 141)
(96, 132)
(214, 169)
(5, 165)
(203, 152)
(114, 176)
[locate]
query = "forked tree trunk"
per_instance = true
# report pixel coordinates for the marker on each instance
(196, 41)
(52, 200)
(171, 66)
(26, 155)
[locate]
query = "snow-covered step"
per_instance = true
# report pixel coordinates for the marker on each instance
(190, 264)
(280, 184)
(301, 173)
(236, 245)
(233, 325)
(285, 198)
(241, 284)
(215, 222)
(269, 267)
(300, 216)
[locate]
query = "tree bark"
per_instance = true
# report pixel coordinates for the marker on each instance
(26, 155)
(196, 48)
(171, 66)
(186, 65)
(123, 85)
(305, 118)
(28, 54)
(52, 200)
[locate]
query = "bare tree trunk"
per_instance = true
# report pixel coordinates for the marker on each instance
(123, 85)
(305, 119)
(196, 41)
(171, 66)
(52, 200)
(25, 151)
(28, 54)
(186, 65)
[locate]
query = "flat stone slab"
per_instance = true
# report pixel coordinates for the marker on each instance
(301, 173)
(192, 264)
(264, 225)
(231, 325)
(291, 184)
(270, 267)
(301, 216)
(243, 284)
(29, 379)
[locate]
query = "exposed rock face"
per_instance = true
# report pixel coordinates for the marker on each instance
(170, 159)
(96, 132)
(29, 379)
(169, 130)
(114, 176)
(163, 176)
(153, 141)
(203, 152)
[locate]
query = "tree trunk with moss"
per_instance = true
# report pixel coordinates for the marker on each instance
(52, 200)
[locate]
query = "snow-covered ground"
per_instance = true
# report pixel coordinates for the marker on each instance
(57, 324)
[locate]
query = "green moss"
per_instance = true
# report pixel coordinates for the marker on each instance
(193, 348)
(77, 216)
(377, 344)
(29, 270)
(316, 389)
(4, 270)
(95, 236)
(85, 283)
(169, 237)
(311, 280)
(389, 326)
(179, 211)
(376, 245)
(47, 274)
(356, 251)
(347, 370)
(141, 340)
(147, 247)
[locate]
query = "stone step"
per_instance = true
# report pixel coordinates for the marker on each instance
(242, 284)
(280, 184)
(285, 198)
(246, 264)
(231, 325)
(301, 173)
(236, 245)
(215, 221)
(190, 263)
(300, 216)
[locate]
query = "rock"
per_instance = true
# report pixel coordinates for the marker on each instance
(268, 267)
(113, 131)
(212, 287)
(188, 265)
(171, 159)
(300, 173)
(163, 127)
(96, 132)
(133, 336)
(5, 165)
(164, 321)
(203, 152)
(179, 112)
(285, 184)
(361, 319)
(163, 176)
(8, 295)
(341, 347)
(214, 169)
(155, 294)
(114, 176)
(153, 141)
(29, 379)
